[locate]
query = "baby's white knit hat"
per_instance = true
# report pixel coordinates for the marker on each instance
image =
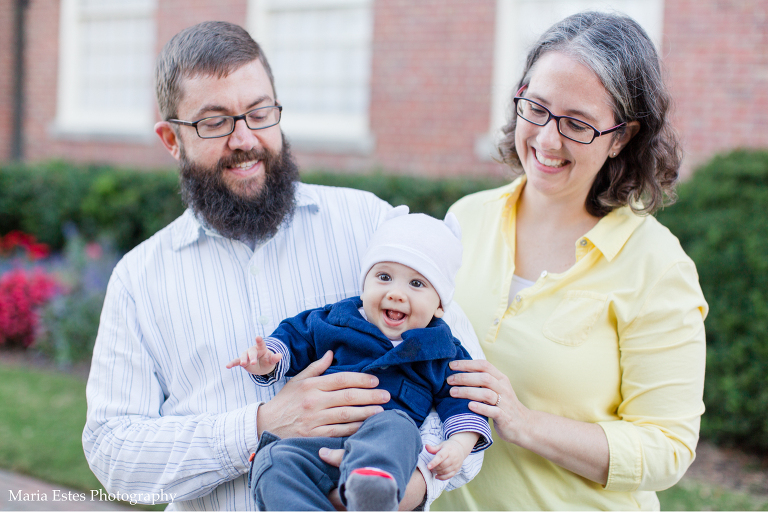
(429, 246)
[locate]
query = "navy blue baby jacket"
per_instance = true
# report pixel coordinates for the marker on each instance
(414, 372)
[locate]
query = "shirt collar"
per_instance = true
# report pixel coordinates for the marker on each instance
(510, 193)
(609, 235)
(187, 229)
(612, 231)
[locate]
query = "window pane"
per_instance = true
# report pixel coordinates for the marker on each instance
(321, 57)
(116, 48)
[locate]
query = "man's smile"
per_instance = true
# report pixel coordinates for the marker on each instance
(245, 169)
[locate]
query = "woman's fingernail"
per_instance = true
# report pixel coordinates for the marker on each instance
(324, 452)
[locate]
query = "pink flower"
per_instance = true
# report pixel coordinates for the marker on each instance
(18, 239)
(37, 251)
(94, 251)
(22, 293)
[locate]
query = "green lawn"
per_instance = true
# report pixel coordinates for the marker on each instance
(691, 495)
(42, 415)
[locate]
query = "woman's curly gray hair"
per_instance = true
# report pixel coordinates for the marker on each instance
(623, 57)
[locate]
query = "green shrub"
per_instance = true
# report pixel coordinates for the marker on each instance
(71, 320)
(37, 199)
(422, 195)
(721, 219)
(128, 206)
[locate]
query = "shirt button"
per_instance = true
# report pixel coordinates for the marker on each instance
(495, 321)
(544, 274)
(254, 270)
(583, 242)
(263, 319)
(518, 297)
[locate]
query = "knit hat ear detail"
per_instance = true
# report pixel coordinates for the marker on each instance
(397, 211)
(452, 223)
(429, 246)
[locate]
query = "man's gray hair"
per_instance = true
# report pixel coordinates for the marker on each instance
(211, 48)
(620, 53)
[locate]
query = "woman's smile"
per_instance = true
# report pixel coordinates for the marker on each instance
(554, 163)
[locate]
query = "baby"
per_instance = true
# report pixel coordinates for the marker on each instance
(394, 331)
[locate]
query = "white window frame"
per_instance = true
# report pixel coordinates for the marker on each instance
(71, 119)
(327, 133)
(512, 42)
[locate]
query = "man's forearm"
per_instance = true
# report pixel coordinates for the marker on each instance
(187, 456)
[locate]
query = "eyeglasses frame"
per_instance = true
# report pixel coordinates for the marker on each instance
(597, 133)
(235, 119)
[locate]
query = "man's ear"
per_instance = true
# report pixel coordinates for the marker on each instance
(168, 137)
(439, 313)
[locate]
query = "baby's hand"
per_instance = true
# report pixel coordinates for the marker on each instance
(450, 454)
(258, 359)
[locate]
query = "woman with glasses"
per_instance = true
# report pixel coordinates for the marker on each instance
(588, 310)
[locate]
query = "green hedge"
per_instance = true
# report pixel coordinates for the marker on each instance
(422, 195)
(130, 205)
(126, 205)
(721, 219)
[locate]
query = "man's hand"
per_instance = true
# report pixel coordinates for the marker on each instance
(312, 404)
(258, 359)
(414, 492)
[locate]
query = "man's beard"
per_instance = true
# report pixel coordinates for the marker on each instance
(255, 218)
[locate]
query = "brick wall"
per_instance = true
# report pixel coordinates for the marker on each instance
(431, 75)
(7, 36)
(42, 64)
(716, 56)
(431, 83)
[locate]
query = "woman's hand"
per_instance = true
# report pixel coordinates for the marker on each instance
(492, 396)
(577, 446)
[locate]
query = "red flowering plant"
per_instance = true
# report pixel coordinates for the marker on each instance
(22, 294)
(23, 291)
(17, 242)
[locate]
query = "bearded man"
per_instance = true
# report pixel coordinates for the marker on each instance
(166, 420)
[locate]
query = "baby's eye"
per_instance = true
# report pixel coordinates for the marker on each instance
(384, 277)
(417, 284)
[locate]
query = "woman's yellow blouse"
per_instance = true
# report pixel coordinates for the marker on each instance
(617, 340)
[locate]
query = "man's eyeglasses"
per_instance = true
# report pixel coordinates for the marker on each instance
(569, 127)
(221, 126)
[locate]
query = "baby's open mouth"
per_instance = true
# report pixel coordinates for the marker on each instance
(393, 315)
